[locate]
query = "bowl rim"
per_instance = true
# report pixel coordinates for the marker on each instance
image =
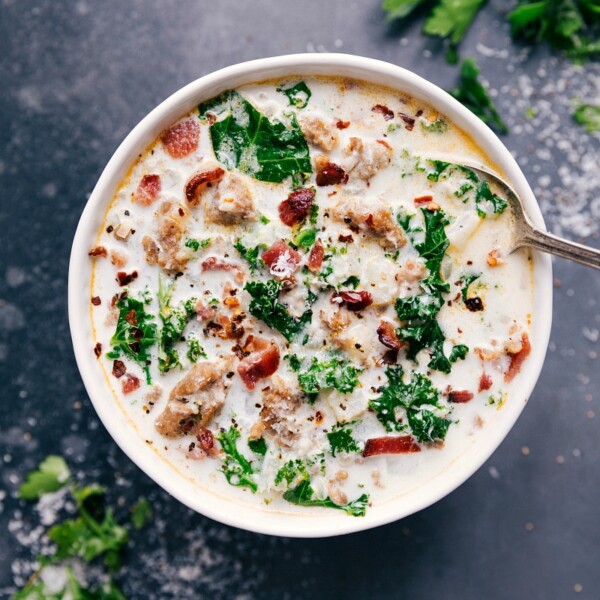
(250, 517)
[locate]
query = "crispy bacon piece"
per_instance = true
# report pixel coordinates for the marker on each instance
(295, 208)
(409, 122)
(329, 173)
(382, 109)
(182, 138)
(204, 313)
(474, 304)
(353, 301)
(281, 260)
(98, 349)
(389, 358)
(517, 358)
(126, 278)
(262, 361)
(423, 200)
(213, 263)
(345, 239)
(402, 444)
(226, 328)
(387, 336)
(197, 181)
(130, 383)
(119, 369)
(96, 301)
(206, 439)
(485, 382)
(342, 124)
(98, 251)
(315, 258)
(459, 396)
(147, 190)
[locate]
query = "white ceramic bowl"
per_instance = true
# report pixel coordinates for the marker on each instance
(325, 523)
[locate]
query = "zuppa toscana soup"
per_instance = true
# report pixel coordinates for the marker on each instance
(297, 305)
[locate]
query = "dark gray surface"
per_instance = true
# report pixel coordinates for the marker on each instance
(74, 79)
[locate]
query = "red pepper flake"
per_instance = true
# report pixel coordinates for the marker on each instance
(459, 396)
(295, 208)
(98, 349)
(98, 251)
(342, 124)
(96, 301)
(403, 444)
(331, 174)
(353, 301)
(119, 369)
(125, 279)
(422, 200)
(409, 122)
(130, 383)
(206, 439)
(382, 109)
(485, 382)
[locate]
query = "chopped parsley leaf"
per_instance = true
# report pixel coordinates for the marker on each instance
(341, 440)
(304, 495)
(258, 446)
(195, 350)
(52, 475)
(251, 255)
(439, 126)
(236, 467)
(195, 245)
(305, 238)
(353, 281)
(588, 115)
(459, 352)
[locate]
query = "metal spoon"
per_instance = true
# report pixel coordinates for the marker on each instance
(527, 234)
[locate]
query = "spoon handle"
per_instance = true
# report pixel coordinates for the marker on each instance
(547, 242)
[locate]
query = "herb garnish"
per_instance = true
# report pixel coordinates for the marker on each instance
(341, 440)
(236, 468)
(439, 126)
(246, 139)
(258, 446)
(475, 97)
(459, 352)
(195, 350)
(304, 495)
(353, 281)
(298, 94)
(588, 115)
(250, 255)
(305, 238)
(266, 307)
(195, 245)
(135, 333)
(418, 398)
(467, 281)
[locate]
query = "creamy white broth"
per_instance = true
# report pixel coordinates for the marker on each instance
(506, 292)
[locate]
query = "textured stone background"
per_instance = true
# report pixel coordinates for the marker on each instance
(75, 77)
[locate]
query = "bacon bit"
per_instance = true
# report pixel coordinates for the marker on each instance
(342, 124)
(131, 318)
(517, 359)
(385, 144)
(459, 396)
(240, 352)
(421, 200)
(387, 113)
(147, 190)
(130, 383)
(389, 358)
(474, 304)
(98, 349)
(315, 258)
(409, 122)
(206, 439)
(231, 302)
(192, 187)
(226, 328)
(119, 369)
(98, 251)
(96, 301)
(295, 208)
(493, 260)
(262, 361)
(281, 260)
(330, 174)
(212, 263)
(387, 336)
(124, 278)
(204, 313)
(391, 445)
(345, 239)
(353, 301)
(485, 382)
(181, 139)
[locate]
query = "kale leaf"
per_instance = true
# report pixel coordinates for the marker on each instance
(258, 446)
(588, 115)
(459, 352)
(298, 94)
(304, 495)
(475, 97)
(305, 238)
(135, 334)
(251, 255)
(266, 307)
(246, 139)
(236, 467)
(195, 244)
(341, 440)
(417, 398)
(195, 350)
(467, 281)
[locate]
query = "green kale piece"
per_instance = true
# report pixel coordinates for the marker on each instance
(567, 25)
(439, 126)
(246, 139)
(298, 94)
(266, 307)
(588, 116)
(236, 467)
(251, 255)
(320, 375)
(418, 398)
(483, 193)
(314, 214)
(475, 97)
(258, 446)
(353, 281)
(341, 440)
(135, 333)
(195, 350)
(304, 495)
(264, 220)
(439, 166)
(174, 321)
(467, 280)
(305, 238)
(459, 352)
(195, 245)
(293, 472)
(52, 475)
